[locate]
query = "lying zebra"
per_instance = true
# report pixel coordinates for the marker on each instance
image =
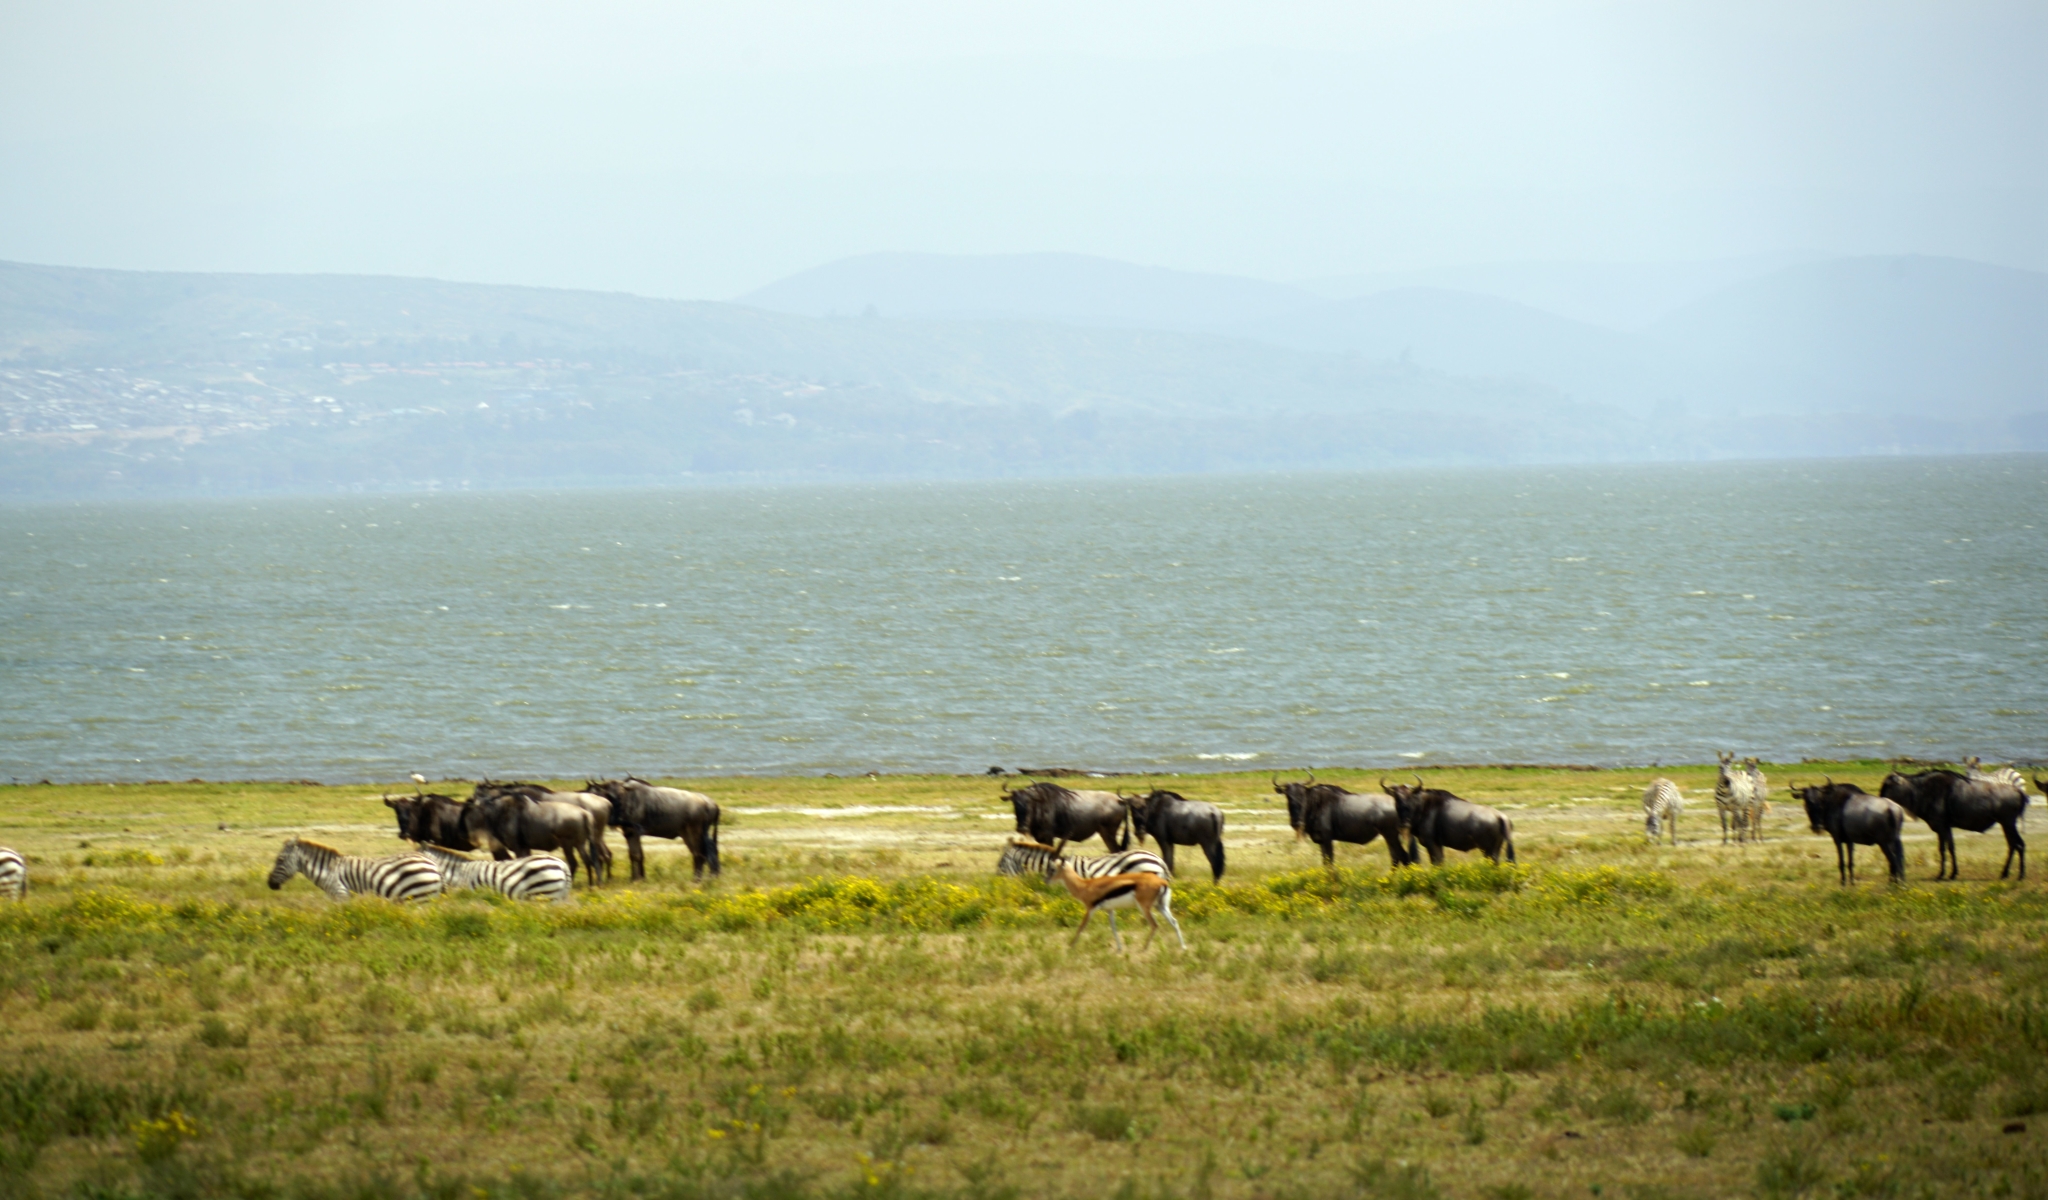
(13, 876)
(1044, 862)
(539, 877)
(409, 877)
(1040, 861)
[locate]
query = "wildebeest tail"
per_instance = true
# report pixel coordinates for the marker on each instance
(1508, 834)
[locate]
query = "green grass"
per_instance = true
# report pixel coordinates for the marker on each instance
(858, 1007)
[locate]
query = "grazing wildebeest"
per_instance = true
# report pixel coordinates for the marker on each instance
(599, 808)
(1437, 819)
(1326, 814)
(519, 824)
(430, 818)
(1854, 817)
(1736, 799)
(1947, 802)
(640, 809)
(1049, 813)
(1174, 820)
(1662, 802)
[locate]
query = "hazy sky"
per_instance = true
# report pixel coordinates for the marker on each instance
(704, 149)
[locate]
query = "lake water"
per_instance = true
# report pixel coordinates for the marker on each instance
(1583, 614)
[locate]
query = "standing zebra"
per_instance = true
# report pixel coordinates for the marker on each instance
(13, 876)
(1031, 858)
(410, 877)
(1662, 802)
(1733, 792)
(1759, 798)
(540, 877)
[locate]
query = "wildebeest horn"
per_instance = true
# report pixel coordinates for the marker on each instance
(1311, 774)
(1418, 779)
(1383, 783)
(1830, 779)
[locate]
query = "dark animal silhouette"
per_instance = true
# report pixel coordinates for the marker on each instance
(1948, 801)
(1326, 814)
(1439, 820)
(599, 808)
(641, 810)
(518, 824)
(1049, 813)
(430, 818)
(1854, 817)
(1174, 820)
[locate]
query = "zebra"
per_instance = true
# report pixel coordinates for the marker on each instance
(1040, 861)
(410, 877)
(13, 875)
(1974, 767)
(539, 877)
(1662, 802)
(1735, 796)
(1759, 798)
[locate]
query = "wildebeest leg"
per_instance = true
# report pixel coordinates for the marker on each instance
(1852, 861)
(1329, 850)
(1436, 853)
(2014, 844)
(636, 854)
(1215, 852)
(1395, 855)
(693, 841)
(1950, 868)
(1165, 856)
(1895, 856)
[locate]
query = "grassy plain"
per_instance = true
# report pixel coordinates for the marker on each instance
(859, 1008)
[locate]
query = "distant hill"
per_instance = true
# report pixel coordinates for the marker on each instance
(159, 383)
(1073, 288)
(1896, 334)
(1624, 296)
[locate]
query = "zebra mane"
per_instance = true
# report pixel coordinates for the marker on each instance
(321, 846)
(1021, 844)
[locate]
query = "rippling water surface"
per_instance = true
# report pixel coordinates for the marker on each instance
(1584, 614)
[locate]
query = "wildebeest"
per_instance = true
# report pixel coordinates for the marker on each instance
(1437, 819)
(430, 818)
(1174, 820)
(1854, 817)
(518, 824)
(1947, 802)
(640, 809)
(599, 808)
(1049, 813)
(1662, 802)
(1326, 814)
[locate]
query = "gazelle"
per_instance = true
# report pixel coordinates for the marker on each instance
(1141, 891)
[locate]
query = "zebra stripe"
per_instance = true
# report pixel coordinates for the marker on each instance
(1736, 797)
(1031, 858)
(1662, 802)
(13, 876)
(1759, 798)
(539, 877)
(410, 877)
(2004, 775)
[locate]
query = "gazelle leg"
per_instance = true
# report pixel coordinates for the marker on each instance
(1166, 910)
(1083, 925)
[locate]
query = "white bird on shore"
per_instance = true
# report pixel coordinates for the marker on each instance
(419, 779)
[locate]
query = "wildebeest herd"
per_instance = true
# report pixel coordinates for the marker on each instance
(516, 823)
